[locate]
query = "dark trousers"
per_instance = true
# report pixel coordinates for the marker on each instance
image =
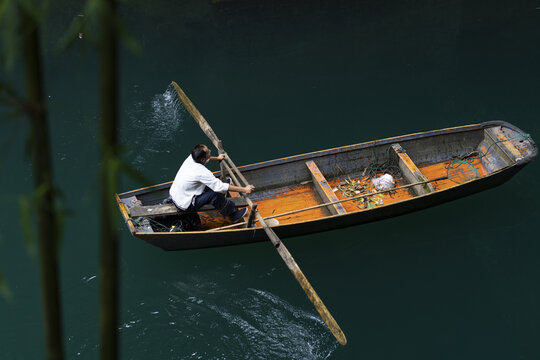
(217, 200)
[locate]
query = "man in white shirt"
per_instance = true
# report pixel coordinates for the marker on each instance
(195, 186)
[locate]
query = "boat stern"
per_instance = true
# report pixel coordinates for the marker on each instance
(505, 145)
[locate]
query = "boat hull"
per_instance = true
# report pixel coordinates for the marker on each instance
(292, 170)
(205, 239)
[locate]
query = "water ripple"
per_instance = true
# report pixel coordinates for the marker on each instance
(154, 126)
(206, 320)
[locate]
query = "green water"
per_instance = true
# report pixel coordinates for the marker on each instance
(278, 78)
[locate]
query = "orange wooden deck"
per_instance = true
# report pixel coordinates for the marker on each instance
(439, 170)
(296, 198)
(303, 196)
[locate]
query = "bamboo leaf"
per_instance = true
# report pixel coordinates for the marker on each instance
(126, 37)
(36, 10)
(25, 217)
(28, 206)
(110, 169)
(10, 116)
(5, 292)
(3, 5)
(84, 23)
(61, 213)
(10, 36)
(92, 8)
(79, 25)
(11, 28)
(12, 98)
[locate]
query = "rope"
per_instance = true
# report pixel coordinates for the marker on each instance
(155, 225)
(523, 136)
(387, 167)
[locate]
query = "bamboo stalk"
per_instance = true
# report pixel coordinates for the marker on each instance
(47, 218)
(109, 239)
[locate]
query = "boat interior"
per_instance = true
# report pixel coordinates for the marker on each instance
(340, 181)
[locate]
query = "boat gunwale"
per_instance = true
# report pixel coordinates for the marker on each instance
(353, 147)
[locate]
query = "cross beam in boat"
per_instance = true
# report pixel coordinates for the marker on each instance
(324, 190)
(410, 172)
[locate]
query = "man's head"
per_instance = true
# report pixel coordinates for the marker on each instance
(200, 153)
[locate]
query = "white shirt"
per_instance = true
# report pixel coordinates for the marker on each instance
(190, 180)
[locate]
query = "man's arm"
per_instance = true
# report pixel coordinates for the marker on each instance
(243, 189)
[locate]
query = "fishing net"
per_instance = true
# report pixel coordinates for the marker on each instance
(462, 167)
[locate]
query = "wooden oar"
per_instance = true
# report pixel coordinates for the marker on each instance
(282, 250)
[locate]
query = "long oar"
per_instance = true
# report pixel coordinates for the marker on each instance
(282, 250)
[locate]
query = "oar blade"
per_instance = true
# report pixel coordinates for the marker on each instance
(304, 283)
(312, 295)
(197, 115)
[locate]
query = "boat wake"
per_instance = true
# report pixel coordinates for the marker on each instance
(205, 320)
(154, 127)
(269, 327)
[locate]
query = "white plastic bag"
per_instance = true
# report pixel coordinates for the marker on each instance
(384, 182)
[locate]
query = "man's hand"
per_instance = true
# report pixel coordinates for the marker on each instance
(248, 189)
(220, 157)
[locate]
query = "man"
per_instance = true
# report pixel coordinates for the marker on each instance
(195, 186)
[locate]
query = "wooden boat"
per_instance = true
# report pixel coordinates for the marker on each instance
(332, 189)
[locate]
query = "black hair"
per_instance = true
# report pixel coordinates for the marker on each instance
(198, 154)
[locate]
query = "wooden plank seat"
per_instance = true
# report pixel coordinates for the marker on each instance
(324, 190)
(504, 142)
(410, 171)
(171, 209)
